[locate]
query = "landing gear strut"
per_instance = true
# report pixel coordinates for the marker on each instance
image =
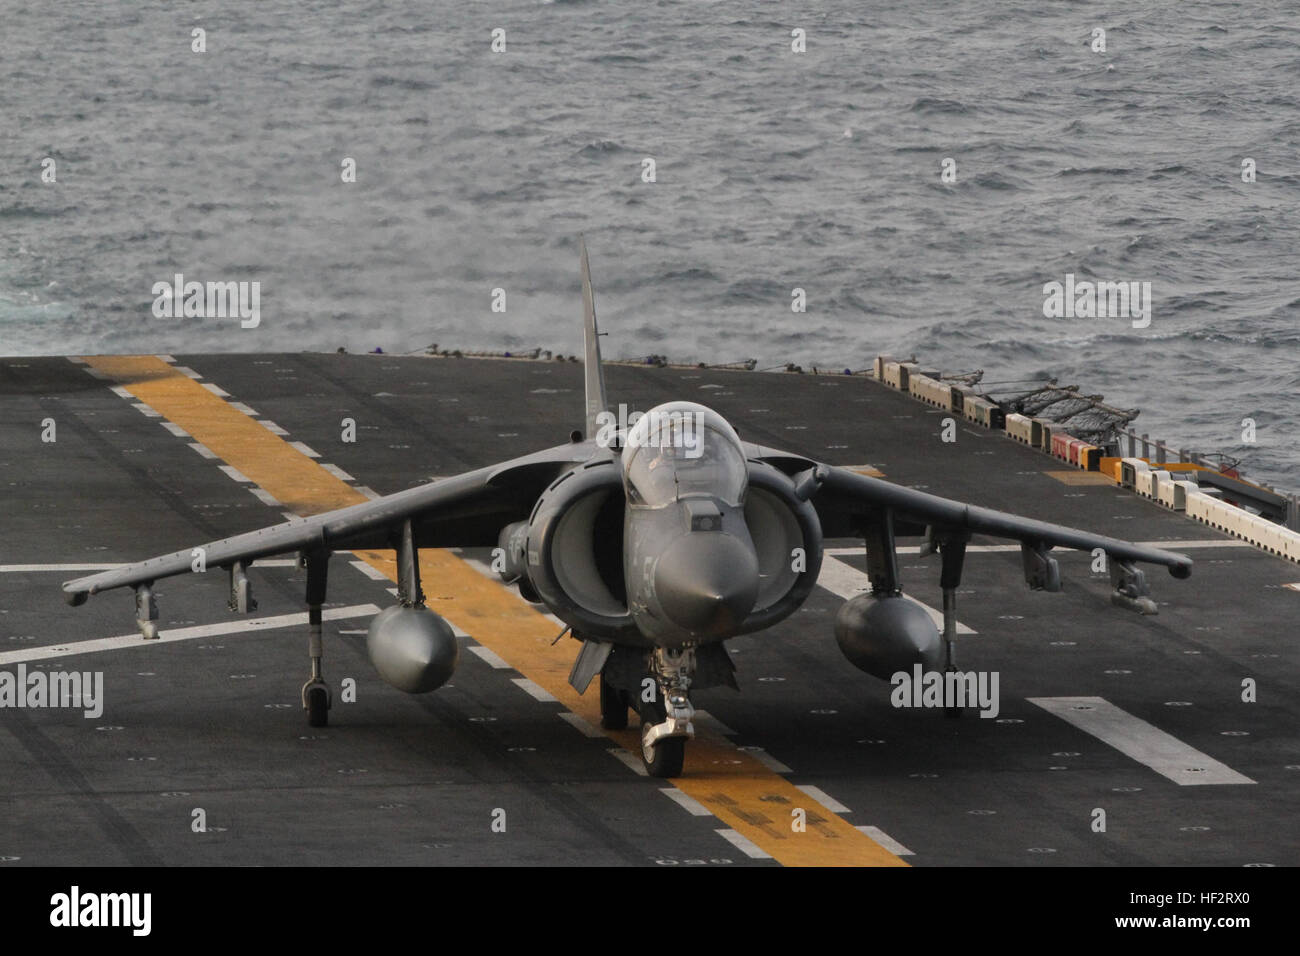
(952, 550)
(666, 720)
(613, 705)
(315, 693)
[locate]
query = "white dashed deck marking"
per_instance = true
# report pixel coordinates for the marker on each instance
(1143, 742)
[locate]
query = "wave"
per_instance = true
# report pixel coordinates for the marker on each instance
(1095, 171)
(384, 81)
(601, 148)
(929, 106)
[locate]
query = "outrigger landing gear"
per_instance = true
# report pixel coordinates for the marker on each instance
(315, 693)
(146, 611)
(1131, 590)
(952, 549)
(666, 720)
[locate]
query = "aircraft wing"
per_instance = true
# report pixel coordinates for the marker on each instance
(467, 510)
(847, 494)
(847, 501)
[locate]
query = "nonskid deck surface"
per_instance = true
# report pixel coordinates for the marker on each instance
(1100, 709)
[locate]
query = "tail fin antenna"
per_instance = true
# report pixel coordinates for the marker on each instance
(595, 375)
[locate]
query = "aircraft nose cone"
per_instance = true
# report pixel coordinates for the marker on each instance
(707, 583)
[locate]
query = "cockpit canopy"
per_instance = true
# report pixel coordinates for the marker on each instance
(680, 449)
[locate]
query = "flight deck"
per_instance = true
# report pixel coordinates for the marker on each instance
(1119, 738)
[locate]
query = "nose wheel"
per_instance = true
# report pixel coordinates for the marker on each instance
(666, 720)
(663, 756)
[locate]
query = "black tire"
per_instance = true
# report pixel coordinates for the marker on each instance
(613, 706)
(318, 707)
(668, 756)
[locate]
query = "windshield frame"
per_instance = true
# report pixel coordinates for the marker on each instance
(699, 449)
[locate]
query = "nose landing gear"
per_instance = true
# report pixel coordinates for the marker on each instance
(666, 719)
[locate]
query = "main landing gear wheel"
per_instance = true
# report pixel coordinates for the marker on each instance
(613, 706)
(666, 757)
(318, 706)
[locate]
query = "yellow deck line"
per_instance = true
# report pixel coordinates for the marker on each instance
(295, 480)
(736, 788)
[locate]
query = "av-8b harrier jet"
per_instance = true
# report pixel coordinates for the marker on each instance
(655, 538)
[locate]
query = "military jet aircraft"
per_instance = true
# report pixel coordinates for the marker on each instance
(655, 538)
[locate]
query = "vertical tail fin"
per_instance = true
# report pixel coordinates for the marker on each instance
(595, 375)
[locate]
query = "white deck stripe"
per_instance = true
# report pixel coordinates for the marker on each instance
(216, 390)
(767, 760)
(535, 690)
(244, 409)
(202, 449)
(188, 371)
(580, 724)
(370, 571)
(174, 635)
(1135, 738)
(145, 410)
(491, 657)
(885, 840)
(272, 427)
(632, 763)
(120, 392)
(744, 844)
(999, 548)
(848, 582)
(265, 496)
(338, 472)
(305, 449)
(175, 429)
(824, 798)
(686, 802)
(235, 474)
(169, 359)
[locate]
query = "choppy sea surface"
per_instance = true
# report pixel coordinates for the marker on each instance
(774, 170)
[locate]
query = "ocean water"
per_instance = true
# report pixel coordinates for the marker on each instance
(775, 170)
